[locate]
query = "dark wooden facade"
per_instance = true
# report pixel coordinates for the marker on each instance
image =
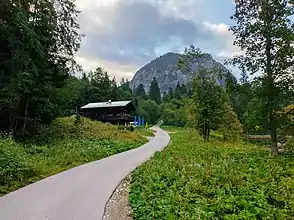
(112, 112)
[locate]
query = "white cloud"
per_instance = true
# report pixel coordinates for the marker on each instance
(113, 68)
(221, 31)
(123, 35)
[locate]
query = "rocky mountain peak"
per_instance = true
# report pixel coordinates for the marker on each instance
(164, 69)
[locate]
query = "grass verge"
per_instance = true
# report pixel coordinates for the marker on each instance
(63, 145)
(145, 132)
(191, 179)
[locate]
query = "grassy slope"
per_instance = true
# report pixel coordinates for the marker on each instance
(145, 132)
(195, 180)
(61, 146)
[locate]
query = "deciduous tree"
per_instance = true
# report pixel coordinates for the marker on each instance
(264, 30)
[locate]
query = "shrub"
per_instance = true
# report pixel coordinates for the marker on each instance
(289, 148)
(131, 128)
(191, 179)
(15, 164)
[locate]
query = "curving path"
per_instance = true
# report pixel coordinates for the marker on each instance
(79, 193)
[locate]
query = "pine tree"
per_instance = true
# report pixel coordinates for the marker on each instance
(244, 77)
(140, 92)
(165, 98)
(183, 90)
(154, 91)
(171, 93)
(101, 86)
(178, 91)
(114, 90)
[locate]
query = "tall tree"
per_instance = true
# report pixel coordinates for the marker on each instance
(154, 91)
(171, 93)
(230, 126)
(208, 98)
(165, 98)
(244, 77)
(101, 85)
(114, 90)
(37, 43)
(124, 90)
(265, 32)
(178, 93)
(140, 92)
(183, 89)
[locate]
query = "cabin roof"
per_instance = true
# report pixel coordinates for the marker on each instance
(106, 104)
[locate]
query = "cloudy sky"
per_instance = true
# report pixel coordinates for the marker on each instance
(123, 35)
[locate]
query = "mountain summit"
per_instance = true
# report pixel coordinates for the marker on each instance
(164, 69)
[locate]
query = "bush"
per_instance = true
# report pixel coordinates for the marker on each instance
(131, 128)
(15, 164)
(215, 180)
(64, 128)
(289, 148)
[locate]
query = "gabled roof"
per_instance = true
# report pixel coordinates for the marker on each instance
(106, 104)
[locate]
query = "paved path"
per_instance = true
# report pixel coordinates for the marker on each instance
(79, 193)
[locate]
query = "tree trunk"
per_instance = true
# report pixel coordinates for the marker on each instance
(206, 133)
(270, 85)
(274, 137)
(25, 118)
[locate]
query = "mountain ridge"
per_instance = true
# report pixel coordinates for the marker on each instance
(164, 69)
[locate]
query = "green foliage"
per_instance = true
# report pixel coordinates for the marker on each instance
(145, 131)
(206, 109)
(240, 96)
(149, 110)
(256, 113)
(208, 101)
(177, 93)
(154, 92)
(59, 147)
(101, 86)
(212, 180)
(289, 148)
(74, 94)
(171, 93)
(287, 120)
(230, 127)
(37, 45)
(124, 90)
(140, 92)
(174, 113)
(15, 164)
(264, 30)
(165, 98)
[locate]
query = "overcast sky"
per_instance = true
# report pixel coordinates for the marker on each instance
(123, 35)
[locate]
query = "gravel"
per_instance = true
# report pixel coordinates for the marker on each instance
(118, 207)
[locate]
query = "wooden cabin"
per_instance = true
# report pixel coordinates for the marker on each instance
(113, 112)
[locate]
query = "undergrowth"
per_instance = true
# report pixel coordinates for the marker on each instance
(145, 132)
(191, 179)
(63, 145)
